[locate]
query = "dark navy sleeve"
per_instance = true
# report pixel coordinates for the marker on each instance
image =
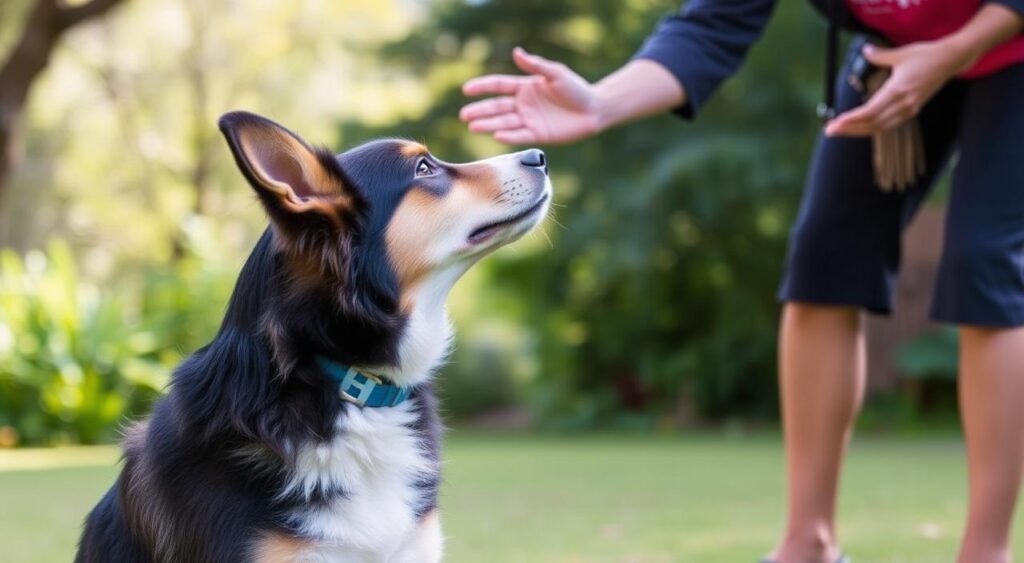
(705, 42)
(1015, 5)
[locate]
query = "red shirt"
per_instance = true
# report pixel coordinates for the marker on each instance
(907, 21)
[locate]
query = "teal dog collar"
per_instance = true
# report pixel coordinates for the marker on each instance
(363, 389)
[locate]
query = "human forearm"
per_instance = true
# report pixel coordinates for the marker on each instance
(993, 24)
(638, 89)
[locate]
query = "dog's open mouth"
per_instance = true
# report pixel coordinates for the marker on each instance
(487, 231)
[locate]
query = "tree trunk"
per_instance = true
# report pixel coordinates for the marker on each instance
(46, 23)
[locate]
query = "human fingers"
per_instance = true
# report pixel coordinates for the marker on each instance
(487, 108)
(857, 119)
(883, 56)
(888, 118)
(508, 121)
(494, 84)
(536, 64)
(892, 104)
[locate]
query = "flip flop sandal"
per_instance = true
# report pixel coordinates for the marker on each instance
(842, 559)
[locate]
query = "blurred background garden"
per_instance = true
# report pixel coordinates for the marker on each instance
(631, 343)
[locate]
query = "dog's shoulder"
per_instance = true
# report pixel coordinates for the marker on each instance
(180, 503)
(144, 510)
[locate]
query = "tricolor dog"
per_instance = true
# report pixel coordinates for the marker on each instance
(307, 430)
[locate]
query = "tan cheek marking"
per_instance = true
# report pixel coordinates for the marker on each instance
(276, 547)
(481, 180)
(418, 221)
(412, 148)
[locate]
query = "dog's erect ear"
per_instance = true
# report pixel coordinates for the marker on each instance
(290, 177)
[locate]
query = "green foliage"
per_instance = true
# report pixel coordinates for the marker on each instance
(657, 295)
(930, 356)
(13, 14)
(64, 370)
(76, 359)
(928, 364)
(480, 378)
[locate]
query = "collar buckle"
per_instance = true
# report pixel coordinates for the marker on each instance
(362, 388)
(360, 382)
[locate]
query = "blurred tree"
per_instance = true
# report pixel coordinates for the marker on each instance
(124, 171)
(45, 24)
(123, 124)
(657, 298)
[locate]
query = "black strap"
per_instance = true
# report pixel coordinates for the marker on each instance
(827, 110)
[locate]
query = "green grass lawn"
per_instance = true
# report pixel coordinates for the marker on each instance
(510, 498)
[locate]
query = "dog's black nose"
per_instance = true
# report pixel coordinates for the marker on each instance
(534, 158)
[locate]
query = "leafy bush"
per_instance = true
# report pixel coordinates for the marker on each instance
(76, 358)
(932, 355)
(928, 366)
(479, 378)
(67, 372)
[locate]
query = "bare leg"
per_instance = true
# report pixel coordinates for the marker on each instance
(992, 408)
(821, 380)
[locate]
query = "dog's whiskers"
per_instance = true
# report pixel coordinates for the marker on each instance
(545, 233)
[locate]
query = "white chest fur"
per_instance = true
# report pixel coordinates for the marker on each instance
(377, 461)
(427, 337)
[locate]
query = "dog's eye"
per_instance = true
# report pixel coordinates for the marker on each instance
(424, 168)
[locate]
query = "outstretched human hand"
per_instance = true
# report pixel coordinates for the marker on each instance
(550, 104)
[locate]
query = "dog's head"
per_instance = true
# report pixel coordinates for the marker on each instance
(385, 228)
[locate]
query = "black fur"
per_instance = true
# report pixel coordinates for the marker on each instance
(256, 385)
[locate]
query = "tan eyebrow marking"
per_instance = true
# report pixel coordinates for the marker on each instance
(412, 148)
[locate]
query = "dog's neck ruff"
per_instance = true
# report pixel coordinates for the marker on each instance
(363, 389)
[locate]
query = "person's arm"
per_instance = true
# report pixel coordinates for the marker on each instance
(705, 43)
(553, 104)
(919, 70)
(1016, 6)
(640, 88)
(678, 67)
